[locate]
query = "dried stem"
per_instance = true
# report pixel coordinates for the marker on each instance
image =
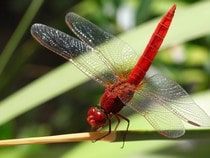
(77, 137)
(113, 137)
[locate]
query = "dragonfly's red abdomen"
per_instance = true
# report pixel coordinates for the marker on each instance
(139, 71)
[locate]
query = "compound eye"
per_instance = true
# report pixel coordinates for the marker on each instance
(96, 117)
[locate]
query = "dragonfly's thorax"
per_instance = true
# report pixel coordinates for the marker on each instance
(116, 95)
(112, 101)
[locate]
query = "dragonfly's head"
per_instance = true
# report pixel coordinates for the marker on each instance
(96, 117)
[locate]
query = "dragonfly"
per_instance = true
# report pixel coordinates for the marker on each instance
(115, 65)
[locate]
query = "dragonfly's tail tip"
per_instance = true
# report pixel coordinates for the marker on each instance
(173, 8)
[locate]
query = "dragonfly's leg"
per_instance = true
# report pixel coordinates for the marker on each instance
(109, 131)
(118, 122)
(118, 116)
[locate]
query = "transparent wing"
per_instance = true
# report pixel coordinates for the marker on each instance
(85, 57)
(161, 119)
(164, 104)
(165, 122)
(116, 53)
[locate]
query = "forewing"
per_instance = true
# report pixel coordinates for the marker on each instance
(85, 57)
(116, 53)
(163, 102)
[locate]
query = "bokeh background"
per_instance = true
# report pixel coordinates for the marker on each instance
(23, 62)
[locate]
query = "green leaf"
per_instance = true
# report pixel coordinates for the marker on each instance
(19, 33)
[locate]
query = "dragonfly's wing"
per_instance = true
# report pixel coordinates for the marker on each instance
(116, 53)
(161, 119)
(163, 103)
(85, 57)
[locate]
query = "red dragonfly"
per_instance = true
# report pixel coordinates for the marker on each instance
(114, 65)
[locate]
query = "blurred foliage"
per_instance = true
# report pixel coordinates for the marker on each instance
(188, 64)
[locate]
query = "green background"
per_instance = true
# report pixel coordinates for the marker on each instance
(42, 95)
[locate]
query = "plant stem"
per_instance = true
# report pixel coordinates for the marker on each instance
(18, 34)
(113, 137)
